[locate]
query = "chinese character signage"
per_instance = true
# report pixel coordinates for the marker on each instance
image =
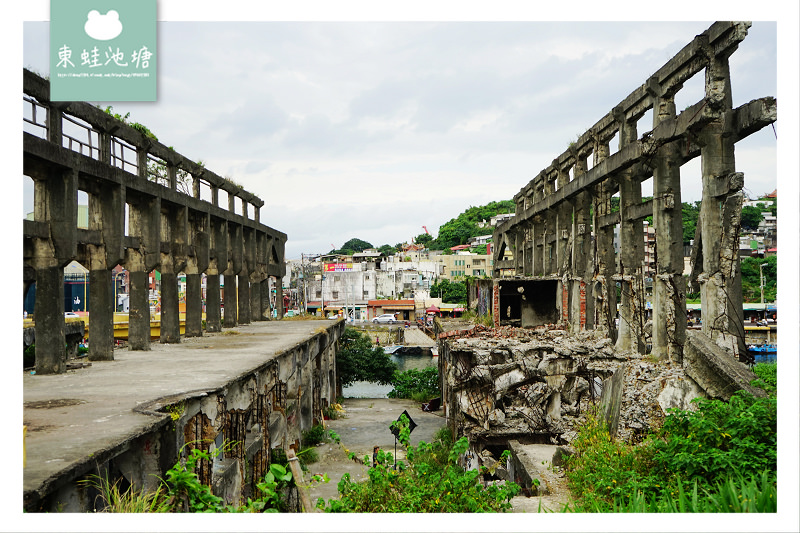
(103, 50)
(338, 267)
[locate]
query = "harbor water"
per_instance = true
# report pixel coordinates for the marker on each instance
(367, 389)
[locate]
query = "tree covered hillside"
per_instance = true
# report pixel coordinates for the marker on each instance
(457, 230)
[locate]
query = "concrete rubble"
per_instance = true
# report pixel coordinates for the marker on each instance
(538, 385)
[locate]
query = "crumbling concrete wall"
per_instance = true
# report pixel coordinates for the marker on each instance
(536, 385)
(239, 424)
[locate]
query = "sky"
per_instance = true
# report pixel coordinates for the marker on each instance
(376, 129)
(373, 119)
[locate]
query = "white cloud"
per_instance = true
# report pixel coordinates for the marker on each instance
(311, 116)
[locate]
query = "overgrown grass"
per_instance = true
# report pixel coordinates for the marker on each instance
(431, 481)
(181, 491)
(130, 500)
(720, 458)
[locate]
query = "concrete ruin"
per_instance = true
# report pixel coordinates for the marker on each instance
(529, 389)
(554, 262)
(145, 213)
(130, 420)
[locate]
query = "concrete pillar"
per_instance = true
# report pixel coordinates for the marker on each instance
(213, 315)
(582, 267)
(720, 212)
(170, 310)
(279, 297)
(51, 355)
(243, 299)
(631, 321)
(194, 306)
(266, 304)
(669, 290)
(139, 313)
(604, 291)
(230, 318)
(101, 326)
(256, 311)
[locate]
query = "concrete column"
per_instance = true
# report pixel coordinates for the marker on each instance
(230, 318)
(631, 320)
(669, 290)
(279, 297)
(243, 299)
(101, 326)
(194, 306)
(266, 304)
(51, 355)
(256, 311)
(582, 268)
(170, 310)
(213, 315)
(139, 314)
(720, 212)
(604, 292)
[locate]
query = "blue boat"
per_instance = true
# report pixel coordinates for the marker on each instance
(763, 353)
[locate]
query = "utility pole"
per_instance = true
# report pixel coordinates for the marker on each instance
(761, 272)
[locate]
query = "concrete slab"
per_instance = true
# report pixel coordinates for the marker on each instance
(75, 416)
(536, 462)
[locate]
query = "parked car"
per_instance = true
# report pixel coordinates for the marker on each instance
(384, 319)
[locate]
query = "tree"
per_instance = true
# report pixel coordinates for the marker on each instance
(456, 231)
(359, 360)
(751, 216)
(751, 278)
(387, 250)
(452, 292)
(423, 238)
(690, 213)
(352, 246)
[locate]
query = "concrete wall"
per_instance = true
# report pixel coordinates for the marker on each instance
(251, 415)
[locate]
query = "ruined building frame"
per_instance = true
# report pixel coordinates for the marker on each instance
(562, 266)
(169, 229)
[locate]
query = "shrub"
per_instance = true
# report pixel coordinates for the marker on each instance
(358, 360)
(740, 435)
(424, 382)
(431, 482)
(720, 458)
(768, 374)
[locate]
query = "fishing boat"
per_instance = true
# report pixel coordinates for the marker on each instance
(763, 353)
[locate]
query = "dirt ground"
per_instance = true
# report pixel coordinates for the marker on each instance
(366, 424)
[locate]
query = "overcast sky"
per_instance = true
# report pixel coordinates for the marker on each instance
(373, 130)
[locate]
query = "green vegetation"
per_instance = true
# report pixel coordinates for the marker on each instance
(388, 250)
(352, 246)
(451, 292)
(431, 481)
(420, 385)
(720, 458)
(182, 492)
(141, 128)
(751, 216)
(359, 360)
(751, 278)
(767, 376)
(456, 231)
